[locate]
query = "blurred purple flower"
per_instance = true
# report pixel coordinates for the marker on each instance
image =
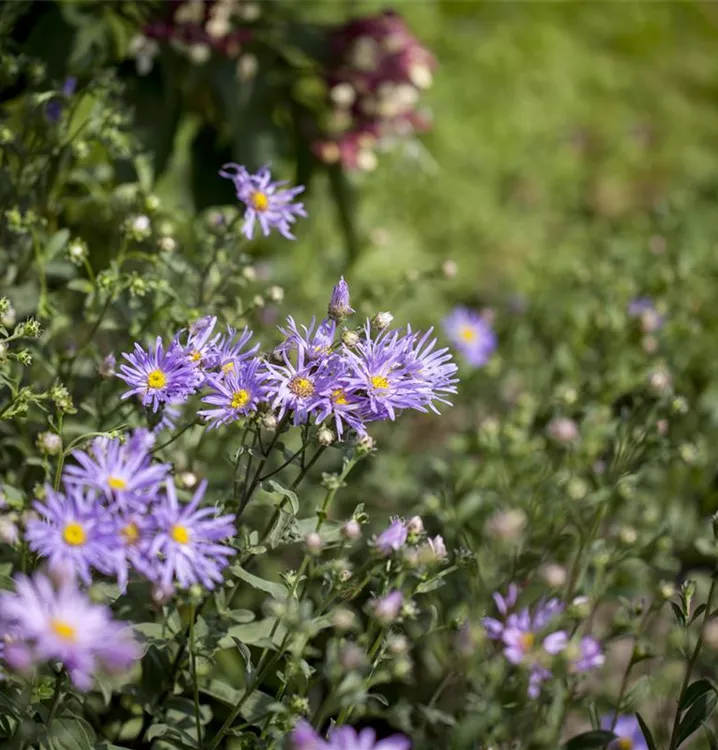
(53, 109)
(628, 733)
(471, 335)
(392, 538)
(339, 306)
(348, 738)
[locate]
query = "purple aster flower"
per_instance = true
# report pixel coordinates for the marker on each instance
(435, 368)
(644, 308)
(123, 472)
(590, 655)
(74, 532)
(628, 733)
(392, 538)
(231, 351)
(134, 531)
(158, 376)
(297, 387)
(305, 737)
(199, 347)
(267, 203)
(339, 307)
(341, 403)
(471, 335)
(62, 624)
(169, 416)
(235, 394)
(347, 738)
(316, 344)
(377, 368)
(186, 540)
(387, 608)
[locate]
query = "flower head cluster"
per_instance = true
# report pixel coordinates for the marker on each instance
(120, 515)
(375, 78)
(531, 639)
(313, 374)
(409, 538)
(196, 28)
(304, 737)
(471, 334)
(266, 202)
(40, 622)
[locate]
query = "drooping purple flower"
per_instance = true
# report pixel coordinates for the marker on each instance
(267, 203)
(297, 387)
(157, 375)
(61, 624)
(628, 733)
(305, 737)
(348, 738)
(122, 472)
(339, 306)
(377, 367)
(186, 545)
(392, 538)
(75, 532)
(235, 394)
(471, 335)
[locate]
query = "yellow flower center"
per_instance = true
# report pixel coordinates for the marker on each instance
(63, 630)
(339, 397)
(302, 387)
(227, 367)
(195, 356)
(156, 379)
(259, 201)
(240, 399)
(130, 533)
(527, 641)
(624, 743)
(380, 382)
(74, 534)
(179, 534)
(116, 483)
(467, 333)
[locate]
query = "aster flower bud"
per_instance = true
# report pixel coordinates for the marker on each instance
(351, 657)
(351, 530)
(275, 293)
(258, 300)
(187, 479)
(8, 316)
(506, 525)
(49, 443)
(449, 268)
(660, 382)
(106, 368)
(32, 328)
(339, 303)
(249, 273)
(269, 421)
(563, 430)
(77, 251)
(3, 351)
(350, 338)
(9, 533)
(343, 619)
(314, 543)
(415, 526)
(433, 551)
(387, 608)
(365, 443)
(139, 227)
(4, 305)
(161, 594)
(555, 575)
(382, 320)
(325, 436)
(24, 357)
(398, 644)
(167, 244)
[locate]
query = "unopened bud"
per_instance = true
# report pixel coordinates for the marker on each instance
(269, 421)
(162, 593)
(506, 525)
(325, 436)
(9, 533)
(167, 244)
(415, 526)
(563, 430)
(351, 530)
(449, 268)
(554, 574)
(275, 293)
(187, 479)
(382, 320)
(387, 609)
(628, 535)
(343, 619)
(398, 644)
(365, 443)
(314, 543)
(351, 657)
(49, 443)
(660, 382)
(350, 338)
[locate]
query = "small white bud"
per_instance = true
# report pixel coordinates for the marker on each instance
(351, 530)
(449, 268)
(9, 533)
(554, 574)
(343, 94)
(314, 543)
(343, 619)
(50, 443)
(269, 421)
(275, 293)
(350, 338)
(382, 320)
(325, 436)
(167, 244)
(187, 479)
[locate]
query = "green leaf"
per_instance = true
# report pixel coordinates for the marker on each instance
(69, 733)
(275, 488)
(694, 691)
(596, 738)
(678, 614)
(254, 707)
(700, 609)
(56, 243)
(277, 532)
(277, 590)
(647, 736)
(254, 633)
(701, 708)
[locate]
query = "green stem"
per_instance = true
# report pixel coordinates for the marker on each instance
(692, 661)
(176, 435)
(193, 673)
(57, 697)
(61, 457)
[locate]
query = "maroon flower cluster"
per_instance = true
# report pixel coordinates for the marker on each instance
(209, 23)
(377, 71)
